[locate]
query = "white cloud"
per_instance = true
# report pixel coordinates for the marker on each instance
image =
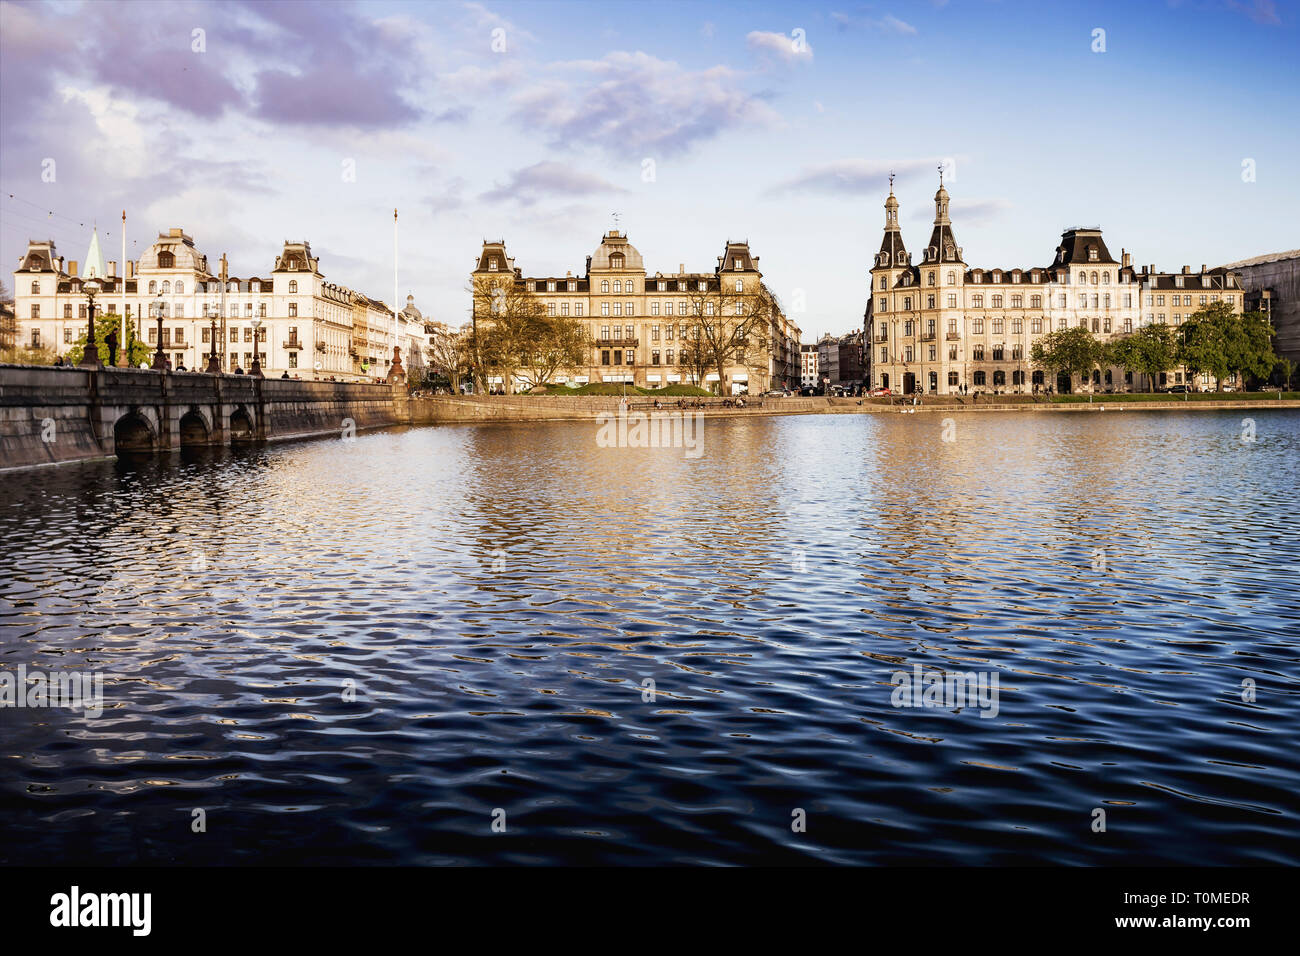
(787, 49)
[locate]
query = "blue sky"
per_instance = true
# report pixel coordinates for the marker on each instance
(696, 122)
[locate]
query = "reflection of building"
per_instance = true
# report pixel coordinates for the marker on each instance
(943, 325)
(1272, 286)
(639, 323)
(308, 326)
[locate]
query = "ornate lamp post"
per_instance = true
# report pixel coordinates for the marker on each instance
(256, 368)
(214, 363)
(159, 357)
(90, 354)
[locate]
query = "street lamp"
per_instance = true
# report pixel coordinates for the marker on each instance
(90, 354)
(214, 363)
(256, 368)
(159, 357)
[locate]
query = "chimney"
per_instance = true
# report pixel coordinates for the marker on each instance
(1202, 266)
(112, 268)
(1187, 270)
(681, 268)
(1127, 258)
(130, 268)
(175, 232)
(60, 261)
(1152, 268)
(72, 268)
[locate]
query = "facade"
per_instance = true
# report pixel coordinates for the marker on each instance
(809, 356)
(305, 325)
(946, 327)
(1272, 286)
(840, 359)
(638, 322)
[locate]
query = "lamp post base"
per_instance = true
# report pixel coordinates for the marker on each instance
(159, 361)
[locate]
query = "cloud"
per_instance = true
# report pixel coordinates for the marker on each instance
(1261, 11)
(548, 179)
(778, 46)
(633, 105)
(886, 24)
(857, 176)
(970, 212)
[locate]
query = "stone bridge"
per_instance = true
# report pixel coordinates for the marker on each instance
(50, 415)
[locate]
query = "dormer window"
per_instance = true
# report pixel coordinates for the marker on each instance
(166, 260)
(616, 261)
(901, 258)
(492, 264)
(735, 264)
(573, 286)
(1092, 253)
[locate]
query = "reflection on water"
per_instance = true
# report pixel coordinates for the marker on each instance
(356, 652)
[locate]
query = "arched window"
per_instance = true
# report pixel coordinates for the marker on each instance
(1096, 377)
(604, 285)
(952, 278)
(616, 261)
(166, 260)
(1105, 278)
(36, 288)
(1017, 377)
(167, 287)
(1094, 278)
(999, 377)
(1083, 278)
(153, 286)
(180, 288)
(618, 285)
(293, 285)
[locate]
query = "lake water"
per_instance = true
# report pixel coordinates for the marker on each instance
(374, 651)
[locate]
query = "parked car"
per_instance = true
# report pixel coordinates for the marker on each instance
(774, 393)
(880, 392)
(1178, 389)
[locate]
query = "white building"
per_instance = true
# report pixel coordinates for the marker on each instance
(305, 325)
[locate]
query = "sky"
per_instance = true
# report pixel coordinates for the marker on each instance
(1175, 126)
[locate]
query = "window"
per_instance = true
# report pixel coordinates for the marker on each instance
(977, 353)
(668, 332)
(952, 300)
(933, 353)
(977, 326)
(293, 286)
(654, 356)
(550, 285)
(997, 302)
(492, 264)
(998, 353)
(1035, 301)
(907, 327)
(604, 308)
(153, 287)
(616, 261)
(708, 308)
(81, 310)
(907, 303)
(550, 308)
(180, 288)
(1017, 302)
(564, 308)
(669, 355)
(293, 310)
(929, 302)
(577, 308)
(952, 353)
(654, 308)
(884, 353)
(604, 356)
(627, 329)
(977, 301)
(979, 378)
(618, 308)
(36, 311)
(166, 260)
(67, 336)
(618, 285)
(629, 357)
(740, 285)
(929, 277)
(882, 305)
(702, 286)
(627, 308)
(1017, 327)
(36, 288)
(1036, 326)
(604, 332)
(1060, 301)
(907, 353)
(178, 336)
(153, 336)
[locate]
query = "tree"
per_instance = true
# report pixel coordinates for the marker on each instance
(1149, 351)
(105, 325)
(1218, 342)
(508, 322)
(1071, 351)
(558, 342)
(728, 327)
(448, 351)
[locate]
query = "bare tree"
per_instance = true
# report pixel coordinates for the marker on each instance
(448, 350)
(508, 321)
(728, 326)
(560, 343)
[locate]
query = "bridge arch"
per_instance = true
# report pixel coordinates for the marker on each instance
(194, 428)
(241, 425)
(133, 433)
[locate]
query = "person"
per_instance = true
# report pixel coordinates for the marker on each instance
(238, 370)
(181, 368)
(286, 374)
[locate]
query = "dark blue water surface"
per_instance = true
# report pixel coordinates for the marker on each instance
(499, 595)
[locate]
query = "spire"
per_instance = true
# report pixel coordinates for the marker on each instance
(891, 247)
(94, 260)
(943, 244)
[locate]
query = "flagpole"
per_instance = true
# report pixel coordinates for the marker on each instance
(121, 348)
(394, 280)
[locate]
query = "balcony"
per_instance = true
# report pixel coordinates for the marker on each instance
(617, 343)
(882, 339)
(293, 343)
(953, 336)
(320, 346)
(927, 336)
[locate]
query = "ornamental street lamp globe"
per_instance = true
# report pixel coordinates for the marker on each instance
(256, 368)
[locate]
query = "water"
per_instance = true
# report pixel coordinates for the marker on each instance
(499, 594)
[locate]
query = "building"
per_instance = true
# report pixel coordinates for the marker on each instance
(1272, 286)
(639, 324)
(840, 359)
(946, 327)
(809, 357)
(305, 325)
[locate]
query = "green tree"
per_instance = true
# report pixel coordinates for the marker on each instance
(1071, 351)
(1149, 351)
(1217, 341)
(509, 323)
(137, 350)
(1251, 352)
